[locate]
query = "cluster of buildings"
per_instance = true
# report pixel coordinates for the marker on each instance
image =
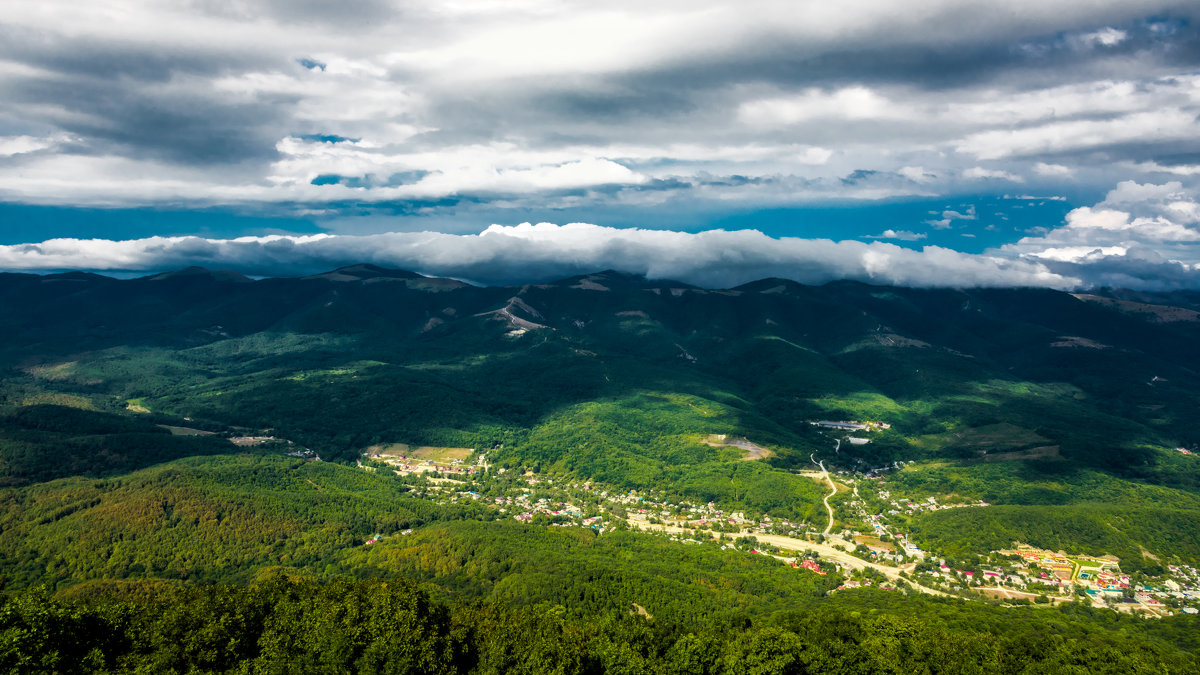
(864, 583)
(810, 565)
(406, 466)
(911, 506)
(527, 508)
(852, 425)
(1031, 571)
(247, 441)
(1038, 571)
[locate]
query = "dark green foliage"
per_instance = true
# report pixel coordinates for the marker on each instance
(1064, 411)
(217, 518)
(589, 574)
(1092, 529)
(282, 626)
(43, 442)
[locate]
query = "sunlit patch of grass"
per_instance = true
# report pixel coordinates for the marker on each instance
(55, 373)
(862, 405)
(137, 405)
(65, 400)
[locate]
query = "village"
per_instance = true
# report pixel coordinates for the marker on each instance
(870, 548)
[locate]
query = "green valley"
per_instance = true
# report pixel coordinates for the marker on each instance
(372, 470)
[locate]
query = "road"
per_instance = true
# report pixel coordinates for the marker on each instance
(832, 492)
(826, 551)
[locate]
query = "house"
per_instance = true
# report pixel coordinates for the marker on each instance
(812, 566)
(844, 426)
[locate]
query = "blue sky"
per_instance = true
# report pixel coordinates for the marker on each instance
(1007, 143)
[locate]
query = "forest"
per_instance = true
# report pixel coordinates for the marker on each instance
(281, 624)
(135, 536)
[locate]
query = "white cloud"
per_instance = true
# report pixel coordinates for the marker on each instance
(1057, 137)
(20, 145)
(851, 103)
(917, 174)
(1175, 169)
(526, 252)
(1140, 235)
(980, 173)
(1044, 169)
(901, 235)
(1035, 198)
(1105, 97)
(1105, 37)
(949, 216)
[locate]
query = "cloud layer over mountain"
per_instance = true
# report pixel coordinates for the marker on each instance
(529, 253)
(1142, 236)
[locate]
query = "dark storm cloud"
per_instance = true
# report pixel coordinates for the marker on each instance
(186, 127)
(104, 60)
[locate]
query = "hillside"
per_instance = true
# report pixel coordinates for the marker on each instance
(145, 428)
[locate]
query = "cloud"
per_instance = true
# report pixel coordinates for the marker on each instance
(528, 109)
(980, 173)
(20, 145)
(1105, 37)
(1035, 198)
(527, 252)
(1177, 169)
(900, 235)
(949, 216)
(917, 174)
(1044, 169)
(1168, 124)
(1142, 235)
(853, 103)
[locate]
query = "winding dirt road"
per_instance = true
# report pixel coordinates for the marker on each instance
(832, 492)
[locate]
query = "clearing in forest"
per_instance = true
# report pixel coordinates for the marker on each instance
(435, 454)
(750, 451)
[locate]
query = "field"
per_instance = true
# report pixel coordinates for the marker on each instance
(437, 455)
(874, 542)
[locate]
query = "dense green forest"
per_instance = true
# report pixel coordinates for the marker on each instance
(281, 624)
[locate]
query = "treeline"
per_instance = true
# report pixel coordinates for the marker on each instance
(587, 573)
(1088, 529)
(657, 440)
(202, 519)
(1039, 482)
(283, 625)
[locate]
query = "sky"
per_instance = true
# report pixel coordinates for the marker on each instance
(940, 143)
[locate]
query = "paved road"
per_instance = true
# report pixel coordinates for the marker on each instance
(791, 544)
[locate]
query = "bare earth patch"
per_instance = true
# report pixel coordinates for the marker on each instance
(1079, 342)
(432, 453)
(750, 451)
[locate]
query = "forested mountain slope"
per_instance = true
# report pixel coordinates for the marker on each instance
(120, 398)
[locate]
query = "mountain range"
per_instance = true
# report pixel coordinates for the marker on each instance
(1071, 416)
